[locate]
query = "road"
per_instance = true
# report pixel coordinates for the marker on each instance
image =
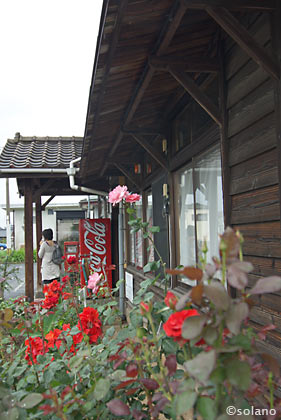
(18, 287)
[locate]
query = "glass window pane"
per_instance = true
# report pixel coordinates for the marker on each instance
(186, 221)
(149, 219)
(209, 202)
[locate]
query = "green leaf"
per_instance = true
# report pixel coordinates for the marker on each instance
(75, 362)
(12, 414)
(207, 408)
(210, 335)
(154, 229)
(192, 327)
(48, 375)
(47, 323)
(242, 341)
(131, 210)
(217, 294)
(169, 346)
(202, 365)
(235, 316)
(239, 374)
(30, 400)
(101, 389)
(136, 319)
(118, 375)
(218, 375)
(183, 402)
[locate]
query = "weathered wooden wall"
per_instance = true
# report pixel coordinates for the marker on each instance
(253, 156)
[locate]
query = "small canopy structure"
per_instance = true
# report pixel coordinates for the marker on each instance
(39, 164)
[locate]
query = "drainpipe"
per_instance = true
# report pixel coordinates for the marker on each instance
(71, 171)
(121, 260)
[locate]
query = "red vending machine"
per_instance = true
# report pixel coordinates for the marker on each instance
(95, 246)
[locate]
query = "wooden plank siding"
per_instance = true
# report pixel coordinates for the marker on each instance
(254, 179)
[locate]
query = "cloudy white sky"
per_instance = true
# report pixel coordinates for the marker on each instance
(47, 53)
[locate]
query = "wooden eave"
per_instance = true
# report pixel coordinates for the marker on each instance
(164, 55)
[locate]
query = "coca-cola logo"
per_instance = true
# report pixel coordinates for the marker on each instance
(95, 242)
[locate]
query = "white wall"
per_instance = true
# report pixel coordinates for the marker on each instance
(48, 221)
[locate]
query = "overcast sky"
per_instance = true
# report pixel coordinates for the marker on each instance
(47, 53)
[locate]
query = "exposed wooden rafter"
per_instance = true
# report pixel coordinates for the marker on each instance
(201, 65)
(197, 94)
(151, 150)
(167, 33)
(128, 175)
(263, 5)
(174, 101)
(236, 31)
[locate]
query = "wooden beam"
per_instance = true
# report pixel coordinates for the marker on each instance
(128, 175)
(151, 150)
(39, 191)
(174, 101)
(226, 179)
(236, 31)
(198, 64)
(254, 5)
(38, 239)
(48, 201)
(28, 240)
(168, 30)
(198, 95)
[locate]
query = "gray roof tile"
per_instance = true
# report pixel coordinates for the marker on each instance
(40, 152)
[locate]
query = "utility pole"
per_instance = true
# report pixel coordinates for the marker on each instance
(8, 222)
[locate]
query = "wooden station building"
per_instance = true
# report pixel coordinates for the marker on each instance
(185, 105)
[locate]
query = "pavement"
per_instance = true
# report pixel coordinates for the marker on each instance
(18, 287)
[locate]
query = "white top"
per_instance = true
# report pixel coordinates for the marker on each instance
(49, 270)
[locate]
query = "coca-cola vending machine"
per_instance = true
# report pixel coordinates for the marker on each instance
(95, 246)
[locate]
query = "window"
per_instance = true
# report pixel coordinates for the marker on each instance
(200, 207)
(149, 219)
(136, 247)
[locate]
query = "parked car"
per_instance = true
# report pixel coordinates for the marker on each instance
(2, 246)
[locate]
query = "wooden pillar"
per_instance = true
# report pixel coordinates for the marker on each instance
(38, 239)
(224, 140)
(114, 243)
(28, 239)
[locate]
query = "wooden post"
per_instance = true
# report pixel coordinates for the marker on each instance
(114, 243)
(28, 239)
(224, 141)
(38, 239)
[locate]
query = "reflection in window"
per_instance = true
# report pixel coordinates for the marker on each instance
(201, 219)
(149, 219)
(137, 240)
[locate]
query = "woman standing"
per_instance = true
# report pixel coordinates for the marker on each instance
(50, 271)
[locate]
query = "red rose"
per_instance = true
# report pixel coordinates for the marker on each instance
(52, 338)
(71, 259)
(171, 300)
(91, 325)
(173, 325)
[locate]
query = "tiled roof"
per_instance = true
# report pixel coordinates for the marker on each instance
(40, 152)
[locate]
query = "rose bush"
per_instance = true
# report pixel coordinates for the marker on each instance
(194, 353)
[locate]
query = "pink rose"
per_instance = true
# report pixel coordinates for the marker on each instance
(132, 198)
(93, 282)
(117, 195)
